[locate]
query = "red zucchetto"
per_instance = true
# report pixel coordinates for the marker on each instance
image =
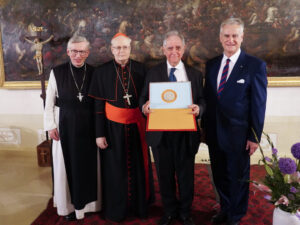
(119, 34)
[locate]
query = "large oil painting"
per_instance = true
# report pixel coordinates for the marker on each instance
(29, 27)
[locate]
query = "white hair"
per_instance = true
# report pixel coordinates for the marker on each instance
(173, 33)
(78, 39)
(232, 21)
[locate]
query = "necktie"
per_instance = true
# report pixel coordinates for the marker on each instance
(223, 78)
(172, 76)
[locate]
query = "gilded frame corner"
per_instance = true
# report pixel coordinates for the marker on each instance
(13, 84)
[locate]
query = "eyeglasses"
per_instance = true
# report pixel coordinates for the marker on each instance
(81, 53)
(177, 48)
(119, 48)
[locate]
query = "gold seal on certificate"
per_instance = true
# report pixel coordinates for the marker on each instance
(169, 95)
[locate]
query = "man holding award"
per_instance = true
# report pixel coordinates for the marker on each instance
(172, 99)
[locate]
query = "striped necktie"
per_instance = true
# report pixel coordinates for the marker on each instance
(223, 78)
(172, 75)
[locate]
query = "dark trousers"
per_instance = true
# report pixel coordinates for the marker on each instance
(174, 163)
(231, 170)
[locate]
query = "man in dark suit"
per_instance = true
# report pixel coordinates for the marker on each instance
(174, 151)
(235, 93)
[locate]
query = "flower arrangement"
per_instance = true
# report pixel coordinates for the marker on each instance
(282, 181)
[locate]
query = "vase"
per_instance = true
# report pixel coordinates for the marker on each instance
(281, 217)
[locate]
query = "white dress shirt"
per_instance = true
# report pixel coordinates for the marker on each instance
(232, 62)
(180, 72)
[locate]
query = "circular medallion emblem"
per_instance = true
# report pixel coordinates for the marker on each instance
(169, 96)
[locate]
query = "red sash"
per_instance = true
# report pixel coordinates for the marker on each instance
(129, 116)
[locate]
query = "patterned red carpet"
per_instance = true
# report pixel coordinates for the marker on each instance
(204, 205)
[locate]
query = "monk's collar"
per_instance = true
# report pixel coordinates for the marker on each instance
(79, 67)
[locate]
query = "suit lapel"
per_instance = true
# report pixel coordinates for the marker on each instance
(191, 78)
(164, 72)
(188, 72)
(214, 73)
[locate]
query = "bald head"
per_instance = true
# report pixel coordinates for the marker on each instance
(120, 48)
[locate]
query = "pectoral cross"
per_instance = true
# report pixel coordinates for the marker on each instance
(127, 96)
(80, 96)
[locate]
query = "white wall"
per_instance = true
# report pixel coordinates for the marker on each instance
(26, 102)
(21, 120)
(282, 101)
(21, 111)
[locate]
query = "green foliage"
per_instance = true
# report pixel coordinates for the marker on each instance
(283, 188)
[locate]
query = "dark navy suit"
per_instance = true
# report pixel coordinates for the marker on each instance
(228, 121)
(174, 151)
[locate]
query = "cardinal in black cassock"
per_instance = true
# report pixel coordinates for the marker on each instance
(127, 180)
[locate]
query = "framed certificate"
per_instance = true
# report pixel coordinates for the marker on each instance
(169, 103)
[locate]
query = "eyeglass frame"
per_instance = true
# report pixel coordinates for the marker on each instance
(74, 52)
(171, 48)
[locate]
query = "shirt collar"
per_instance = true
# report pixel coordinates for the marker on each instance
(178, 66)
(233, 58)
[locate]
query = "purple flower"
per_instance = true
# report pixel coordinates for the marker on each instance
(268, 159)
(293, 190)
(296, 150)
(268, 197)
(274, 151)
(287, 165)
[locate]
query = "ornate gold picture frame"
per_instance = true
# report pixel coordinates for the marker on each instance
(270, 34)
(14, 84)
